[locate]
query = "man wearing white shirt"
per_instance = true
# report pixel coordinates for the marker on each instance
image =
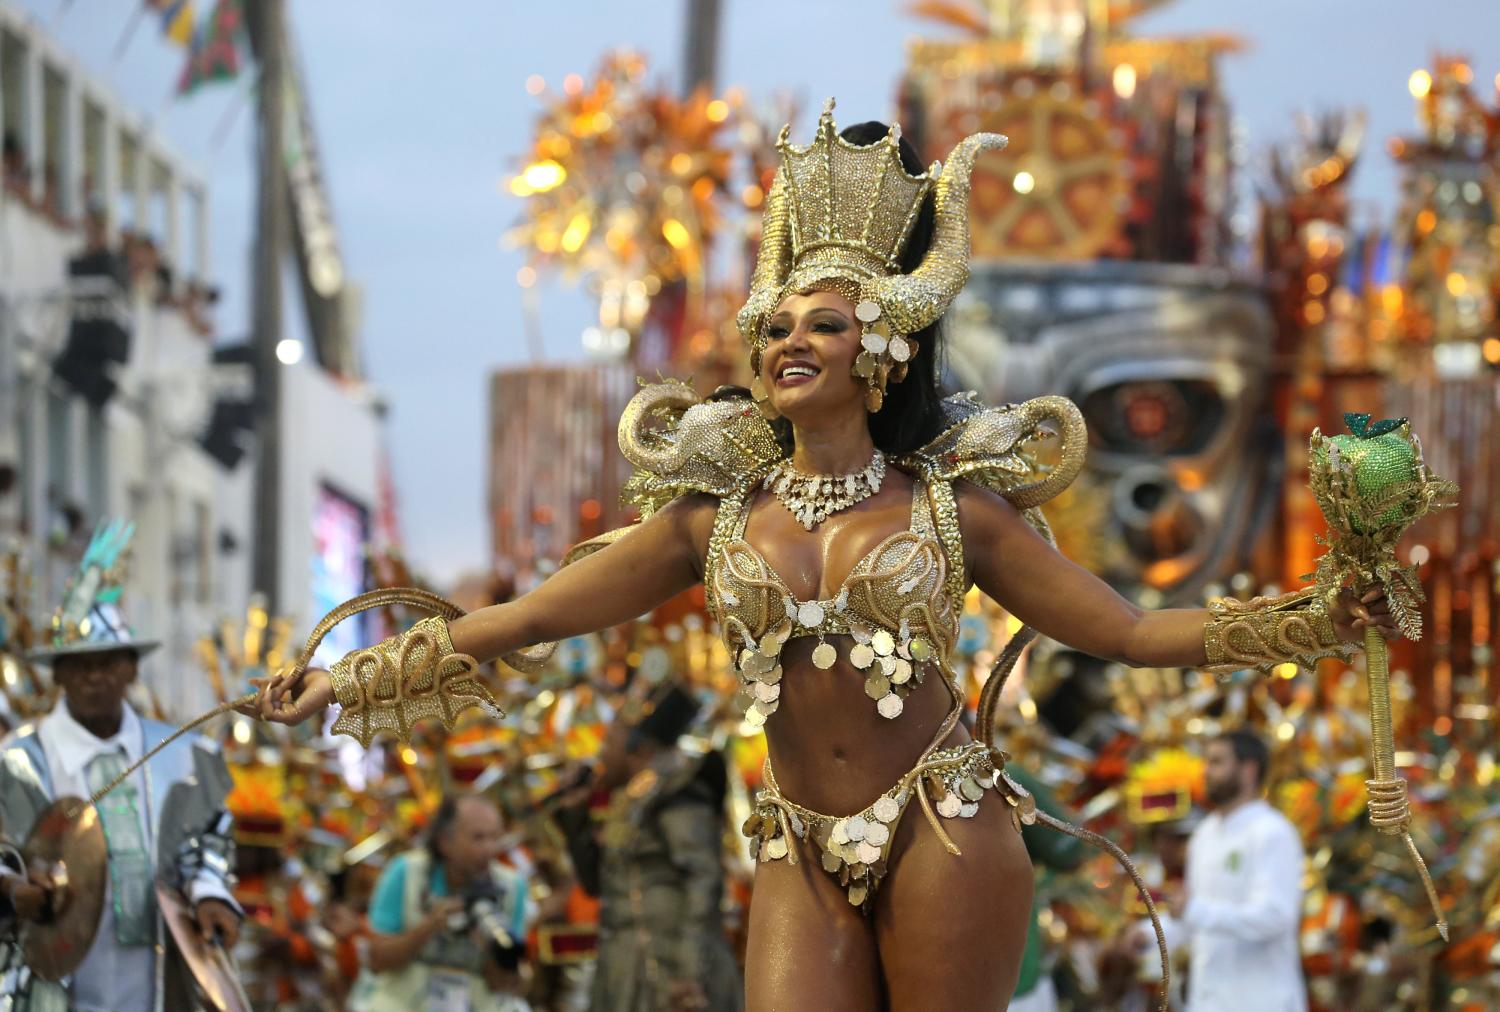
(165, 821)
(1244, 890)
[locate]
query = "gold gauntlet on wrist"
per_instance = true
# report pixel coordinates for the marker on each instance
(407, 678)
(1266, 631)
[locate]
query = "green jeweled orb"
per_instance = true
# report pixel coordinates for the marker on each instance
(1381, 455)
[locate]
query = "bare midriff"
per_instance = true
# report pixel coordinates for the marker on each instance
(831, 751)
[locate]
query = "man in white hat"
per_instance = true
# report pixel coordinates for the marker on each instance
(166, 821)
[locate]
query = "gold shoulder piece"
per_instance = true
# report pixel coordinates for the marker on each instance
(992, 448)
(405, 679)
(1266, 631)
(680, 443)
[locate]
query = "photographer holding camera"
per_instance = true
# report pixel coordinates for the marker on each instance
(448, 921)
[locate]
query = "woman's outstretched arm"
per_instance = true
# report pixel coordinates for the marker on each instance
(1015, 565)
(649, 564)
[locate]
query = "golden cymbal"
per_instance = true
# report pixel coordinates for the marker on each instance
(213, 969)
(66, 847)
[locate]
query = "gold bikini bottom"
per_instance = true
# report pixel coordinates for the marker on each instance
(948, 783)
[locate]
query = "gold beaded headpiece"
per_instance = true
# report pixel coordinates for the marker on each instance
(838, 218)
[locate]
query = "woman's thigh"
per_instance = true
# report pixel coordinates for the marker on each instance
(951, 929)
(808, 947)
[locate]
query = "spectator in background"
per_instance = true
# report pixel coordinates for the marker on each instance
(1244, 890)
(448, 921)
(655, 858)
(86, 742)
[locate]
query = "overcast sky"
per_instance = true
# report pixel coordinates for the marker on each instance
(421, 110)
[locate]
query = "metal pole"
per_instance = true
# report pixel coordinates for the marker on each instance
(700, 54)
(271, 230)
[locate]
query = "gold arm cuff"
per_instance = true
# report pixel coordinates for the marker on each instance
(405, 679)
(1266, 631)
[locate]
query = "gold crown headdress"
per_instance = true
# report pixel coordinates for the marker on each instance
(838, 218)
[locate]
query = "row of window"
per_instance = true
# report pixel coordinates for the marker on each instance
(67, 155)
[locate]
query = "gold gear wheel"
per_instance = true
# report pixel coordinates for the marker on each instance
(1057, 190)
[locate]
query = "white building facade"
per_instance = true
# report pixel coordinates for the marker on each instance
(112, 403)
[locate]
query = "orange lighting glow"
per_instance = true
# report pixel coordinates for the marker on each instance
(676, 233)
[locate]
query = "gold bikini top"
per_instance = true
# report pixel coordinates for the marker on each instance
(900, 605)
(897, 606)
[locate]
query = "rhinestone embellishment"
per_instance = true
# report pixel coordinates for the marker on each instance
(813, 498)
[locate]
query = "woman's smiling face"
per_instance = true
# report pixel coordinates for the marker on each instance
(807, 366)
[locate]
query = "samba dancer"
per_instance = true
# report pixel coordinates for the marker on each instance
(836, 517)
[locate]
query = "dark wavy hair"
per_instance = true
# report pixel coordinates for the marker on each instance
(912, 415)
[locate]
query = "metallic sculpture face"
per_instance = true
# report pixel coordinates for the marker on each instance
(1169, 365)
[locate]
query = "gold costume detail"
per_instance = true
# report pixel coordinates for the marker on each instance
(1371, 485)
(1266, 631)
(407, 678)
(949, 783)
(681, 444)
(838, 218)
(895, 606)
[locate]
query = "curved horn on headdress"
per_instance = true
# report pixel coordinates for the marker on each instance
(916, 300)
(774, 261)
(1074, 436)
(640, 440)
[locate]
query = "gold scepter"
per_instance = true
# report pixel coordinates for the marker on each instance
(1371, 485)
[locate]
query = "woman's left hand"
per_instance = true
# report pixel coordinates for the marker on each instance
(1352, 614)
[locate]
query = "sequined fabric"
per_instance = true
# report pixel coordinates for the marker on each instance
(894, 608)
(838, 218)
(1266, 631)
(680, 444)
(949, 784)
(406, 679)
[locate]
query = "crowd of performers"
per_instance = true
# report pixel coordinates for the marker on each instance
(614, 798)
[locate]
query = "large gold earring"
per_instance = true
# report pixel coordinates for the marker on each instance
(762, 399)
(875, 394)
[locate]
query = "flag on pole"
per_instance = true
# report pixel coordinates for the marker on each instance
(177, 18)
(215, 51)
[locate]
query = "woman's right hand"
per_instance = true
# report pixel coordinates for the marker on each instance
(290, 699)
